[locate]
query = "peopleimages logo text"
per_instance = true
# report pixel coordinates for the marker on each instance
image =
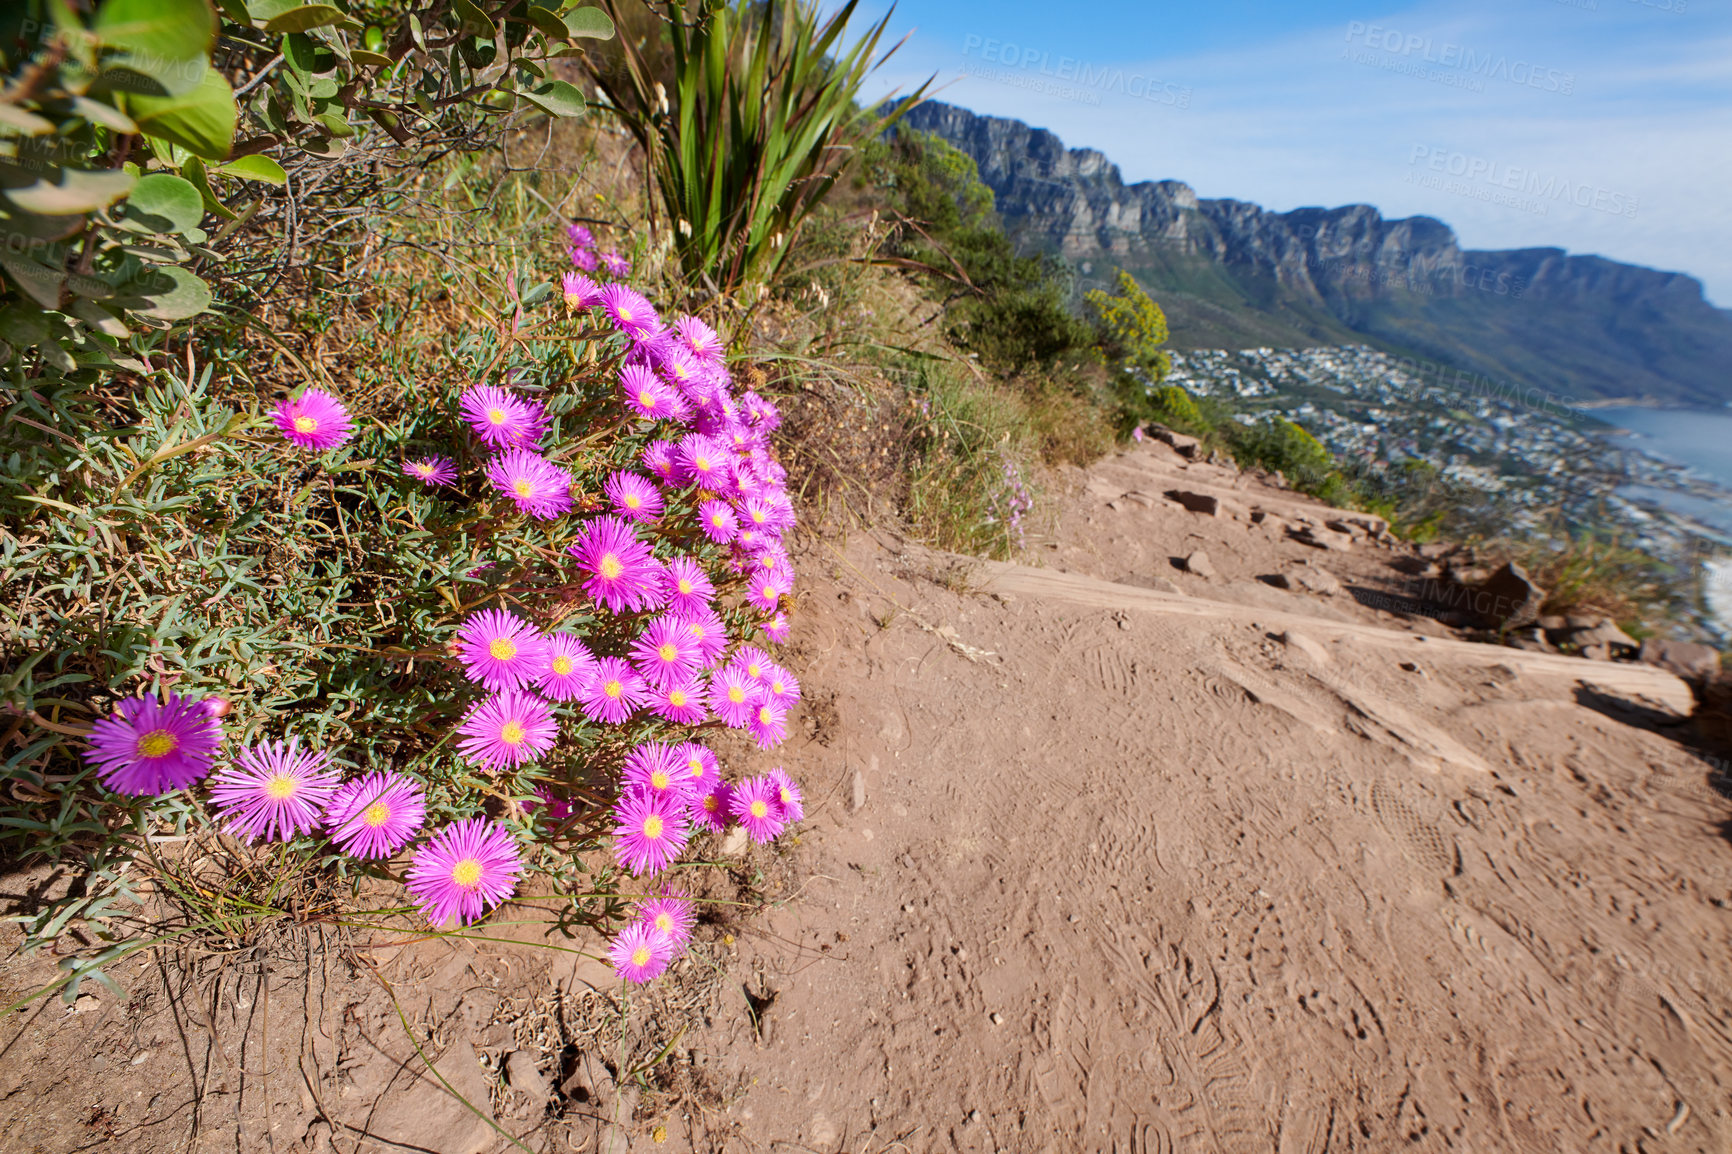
(1476, 174)
(1485, 65)
(1083, 75)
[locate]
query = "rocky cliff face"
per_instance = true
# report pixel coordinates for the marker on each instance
(1232, 273)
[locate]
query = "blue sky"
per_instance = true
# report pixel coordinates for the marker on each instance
(1597, 126)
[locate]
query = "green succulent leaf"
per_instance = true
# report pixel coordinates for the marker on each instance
(471, 19)
(372, 59)
(201, 121)
(64, 191)
(165, 203)
(98, 318)
(556, 98)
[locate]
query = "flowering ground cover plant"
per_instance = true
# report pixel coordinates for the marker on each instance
(577, 560)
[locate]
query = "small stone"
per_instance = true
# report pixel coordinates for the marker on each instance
(907, 907)
(522, 1074)
(858, 801)
(1202, 503)
(997, 1018)
(1684, 658)
(142, 1058)
(1075, 918)
(974, 1115)
(1198, 562)
(85, 1004)
(1321, 538)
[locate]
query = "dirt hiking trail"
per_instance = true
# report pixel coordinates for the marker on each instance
(1102, 854)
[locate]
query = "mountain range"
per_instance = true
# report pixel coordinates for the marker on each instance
(1230, 274)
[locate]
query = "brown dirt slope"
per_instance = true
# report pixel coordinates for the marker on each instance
(1101, 854)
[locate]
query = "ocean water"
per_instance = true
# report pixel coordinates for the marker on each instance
(1698, 438)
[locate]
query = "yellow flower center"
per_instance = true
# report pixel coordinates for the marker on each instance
(659, 780)
(668, 653)
(496, 416)
(758, 516)
(571, 299)
(718, 518)
(685, 585)
(633, 501)
(613, 689)
(512, 733)
(736, 694)
(376, 814)
(677, 698)
(522, 487)
(502, 649)
(562, 665)
(755, 670)
(701, 464)
(764, 714)
(652, 827)
(158, 743)
(466, 873)
(280, 786)
(776, 688)
(769, 591)
(625, 313)
(712, 803)
(696, 766)
(760, 808)
(422, 470)
(611, 566)
(665, 923)
(306, 425)
(646, 398)
(640, 956)
(783, 793)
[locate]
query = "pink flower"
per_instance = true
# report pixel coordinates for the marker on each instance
(275, 790)
(707, 630)
(665, 651)
(583, 258)
(714, 806)
(579, 236)
(767, 587)
(649, 396)
(375, 816)
(506, 730)
(502, 420)
(686, 587)
(658, 458)
(777, 629)
(500, 650)
(314, 420)
(535, 485)
(718, 522)
(769, 723)
(670, 916)
(614, 693)
(623, 575)
(616, 265)
(757, 807)
(705, 462)
(788, 795)
(639, 954)
(150, 747)
(734, 697)
(569, 667)
(650, 830)
(700, 339)
(655, 767)
(630, 312)
(681, 702)
(579, 291)
(753, 660)
(431, 470)
(783, 687)
(466, 867)
(633, 497)
(700, 764)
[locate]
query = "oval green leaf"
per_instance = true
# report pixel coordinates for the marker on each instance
(64, 190)
(590, 22)
(374, 59)
(106, 115)
(165, 203)
(556, 98)
(156, 31)
(255, 167)
(169, 293)
(305, 17)
(201, 121)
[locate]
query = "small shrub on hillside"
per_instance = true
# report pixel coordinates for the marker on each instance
(970, 487)
(482, 618)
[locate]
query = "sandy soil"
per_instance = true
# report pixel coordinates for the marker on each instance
(1100, 855)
